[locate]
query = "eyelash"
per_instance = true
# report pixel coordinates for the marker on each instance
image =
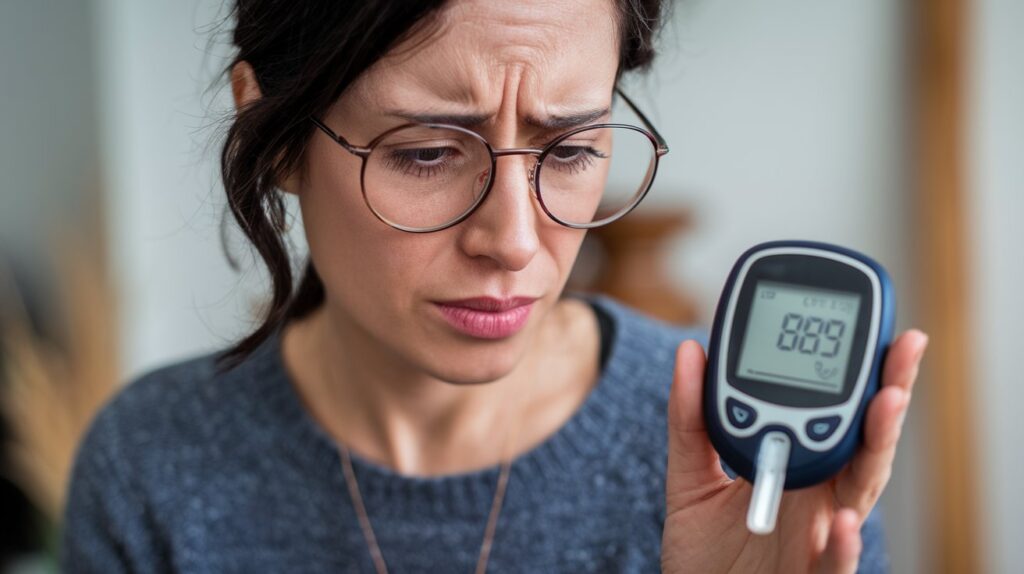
(587, 159)
(405, 162)
(401, 160)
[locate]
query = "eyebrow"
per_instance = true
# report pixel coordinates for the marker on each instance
(553, 122)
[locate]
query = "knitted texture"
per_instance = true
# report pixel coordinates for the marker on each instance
(186, 471)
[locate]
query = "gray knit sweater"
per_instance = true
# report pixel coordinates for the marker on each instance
(187, 471)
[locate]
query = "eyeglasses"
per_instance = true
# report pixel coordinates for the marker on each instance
(424, 177)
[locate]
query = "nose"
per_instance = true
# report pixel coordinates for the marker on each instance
(504, 228)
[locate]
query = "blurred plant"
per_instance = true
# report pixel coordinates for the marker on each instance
(50, 392)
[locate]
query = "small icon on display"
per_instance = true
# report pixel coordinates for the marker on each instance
(824, 373)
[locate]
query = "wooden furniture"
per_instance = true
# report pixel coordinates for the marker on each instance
(940, 198)
(627, 260)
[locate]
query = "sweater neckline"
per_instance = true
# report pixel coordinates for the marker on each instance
(585, 436)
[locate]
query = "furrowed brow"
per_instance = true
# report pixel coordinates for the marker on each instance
(554, 122)
(462, 120)
(567, 121)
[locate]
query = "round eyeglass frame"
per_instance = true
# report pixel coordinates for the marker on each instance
(363, 152)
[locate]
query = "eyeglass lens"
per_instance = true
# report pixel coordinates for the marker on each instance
(422, 176)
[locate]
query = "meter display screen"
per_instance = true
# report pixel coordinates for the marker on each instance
(799, 336)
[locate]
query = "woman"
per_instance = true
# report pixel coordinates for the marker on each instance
(429, 399)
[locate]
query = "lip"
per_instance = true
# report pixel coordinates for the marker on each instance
(487, 317)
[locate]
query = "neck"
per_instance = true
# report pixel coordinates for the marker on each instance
(387, 411)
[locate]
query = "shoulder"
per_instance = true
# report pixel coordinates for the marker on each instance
(159, 398)
(134, 452)
(632, 393)
(640, 335)
(642, 357)
(158, 394)
(163, 413)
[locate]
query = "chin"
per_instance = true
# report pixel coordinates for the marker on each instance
(467, 375)
(475, 368)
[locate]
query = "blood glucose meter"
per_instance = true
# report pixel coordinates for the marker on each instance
(795, 355)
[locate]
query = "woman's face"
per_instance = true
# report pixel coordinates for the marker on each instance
(506, 61)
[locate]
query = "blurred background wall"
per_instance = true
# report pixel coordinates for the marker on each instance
(996, 178)
(48, 124)
(785, 119)
(157, 62)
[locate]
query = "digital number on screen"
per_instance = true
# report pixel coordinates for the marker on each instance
(799, 336)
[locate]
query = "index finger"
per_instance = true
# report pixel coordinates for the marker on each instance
(903, 359)
(862, 481)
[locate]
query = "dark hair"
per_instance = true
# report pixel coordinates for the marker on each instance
(304, 56)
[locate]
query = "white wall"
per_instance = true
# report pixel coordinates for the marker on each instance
(997, 200)
(784, 120)
(47, 132)
(178, 296)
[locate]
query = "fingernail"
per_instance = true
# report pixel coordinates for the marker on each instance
(921, 349)
(903, 416)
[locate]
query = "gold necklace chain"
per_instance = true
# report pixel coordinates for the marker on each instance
(364, 518)
(371, 540)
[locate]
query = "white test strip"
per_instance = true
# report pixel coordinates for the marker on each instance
(770, 477)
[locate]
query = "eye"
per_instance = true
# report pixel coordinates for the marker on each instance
(421, 161)
(425, 155)
(574, 158)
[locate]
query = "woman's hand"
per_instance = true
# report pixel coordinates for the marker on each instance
(818, 528)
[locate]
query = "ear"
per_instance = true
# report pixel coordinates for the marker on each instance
(245, 90)
(244, 86)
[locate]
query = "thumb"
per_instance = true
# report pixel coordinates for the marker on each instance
(693, 464)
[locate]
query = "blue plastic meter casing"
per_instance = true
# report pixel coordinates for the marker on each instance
(824, 428)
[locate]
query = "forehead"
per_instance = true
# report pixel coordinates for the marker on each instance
(551, 56)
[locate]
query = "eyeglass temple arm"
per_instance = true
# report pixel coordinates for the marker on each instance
(662, 145)
(360, 151)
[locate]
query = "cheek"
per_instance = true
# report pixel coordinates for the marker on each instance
(357, 256)
(565, 246)
(560, 248)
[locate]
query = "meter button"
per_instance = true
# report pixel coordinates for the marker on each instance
(821, 429)
(740, 415)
